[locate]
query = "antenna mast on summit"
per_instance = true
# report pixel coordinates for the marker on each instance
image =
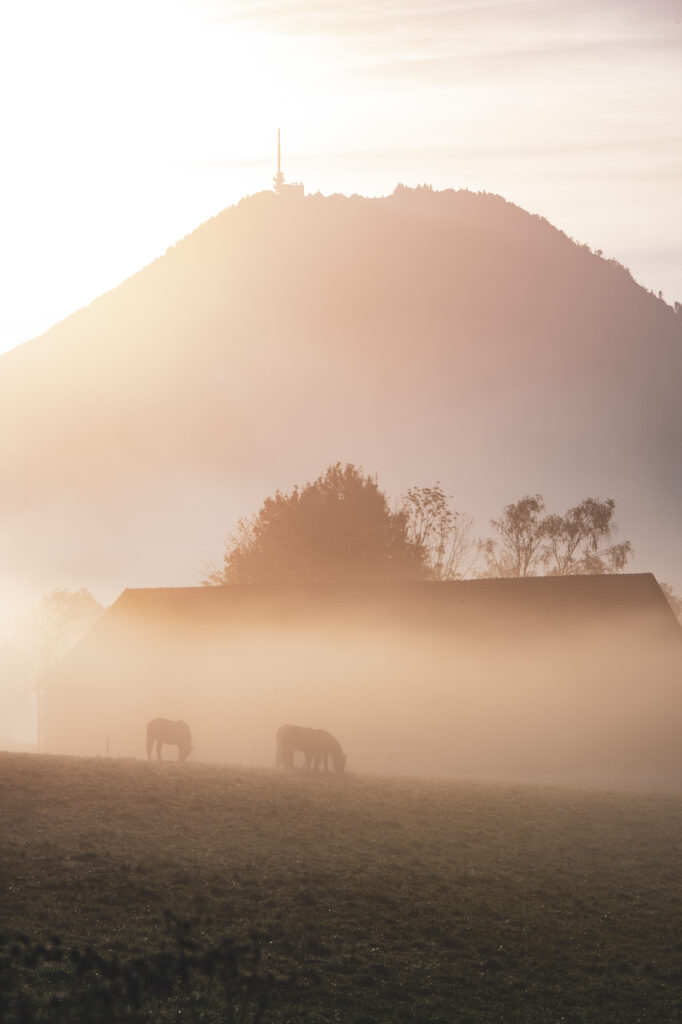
(278, 179)
(288, 190)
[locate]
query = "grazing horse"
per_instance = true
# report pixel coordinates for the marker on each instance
(177, 734)
(318, 745)
(287, 739)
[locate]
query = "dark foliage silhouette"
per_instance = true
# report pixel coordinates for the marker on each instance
(438, 532)
(576, 543)
(337, 528)
(189, 974)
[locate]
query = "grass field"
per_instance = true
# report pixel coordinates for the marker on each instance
(146, 892)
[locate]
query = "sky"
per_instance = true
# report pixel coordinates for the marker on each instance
(125, 125)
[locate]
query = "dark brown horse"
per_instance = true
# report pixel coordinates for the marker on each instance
(176, 734)
(318, 745)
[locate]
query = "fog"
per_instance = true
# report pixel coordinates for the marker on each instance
(407, 685)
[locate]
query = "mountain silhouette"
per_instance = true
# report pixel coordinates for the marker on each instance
(425, 335)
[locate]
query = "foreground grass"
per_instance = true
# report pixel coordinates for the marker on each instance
(352, 900)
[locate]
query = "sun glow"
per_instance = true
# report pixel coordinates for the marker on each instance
(126, 134)
(126, 125)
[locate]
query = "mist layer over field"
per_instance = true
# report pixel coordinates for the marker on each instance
(369, 899)
(410, 680)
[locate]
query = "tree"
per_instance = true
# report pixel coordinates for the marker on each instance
(48, 632)
(57, 622)
(673, 599)
(337, 528)
(438, 532)
(573, 544)
(518, 551)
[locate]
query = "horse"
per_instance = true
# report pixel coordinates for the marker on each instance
(322, 746)
(318, 745)
(177, 734)
(287, 742)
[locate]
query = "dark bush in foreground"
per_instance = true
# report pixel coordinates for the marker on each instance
(207, 981)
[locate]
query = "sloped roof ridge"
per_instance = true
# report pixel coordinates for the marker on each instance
(484, 604)
(608, 579)
(607, 590)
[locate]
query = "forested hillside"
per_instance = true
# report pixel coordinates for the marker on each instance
(423, 336)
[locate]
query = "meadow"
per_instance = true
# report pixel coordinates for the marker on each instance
(210, 893)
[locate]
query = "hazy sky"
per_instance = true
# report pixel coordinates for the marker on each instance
(124, 125)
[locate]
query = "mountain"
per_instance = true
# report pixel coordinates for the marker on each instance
(424, 336)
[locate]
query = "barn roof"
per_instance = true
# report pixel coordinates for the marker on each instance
(482, 606)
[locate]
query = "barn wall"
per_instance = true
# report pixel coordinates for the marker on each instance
(572, 704)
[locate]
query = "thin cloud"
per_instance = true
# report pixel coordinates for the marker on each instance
(456, 63)
(443, 41)
(352, 18)
(356, 18)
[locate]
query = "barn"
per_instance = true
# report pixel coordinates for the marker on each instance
(574, 680)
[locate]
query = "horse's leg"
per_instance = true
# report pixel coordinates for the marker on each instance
(326, 761)
(159, 744)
